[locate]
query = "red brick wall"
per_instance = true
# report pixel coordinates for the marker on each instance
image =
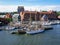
(51, 15)
(8, 15)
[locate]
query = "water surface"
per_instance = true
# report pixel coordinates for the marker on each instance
(50, 37)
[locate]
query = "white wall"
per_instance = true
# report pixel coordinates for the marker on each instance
(2, 16)
(15, 17)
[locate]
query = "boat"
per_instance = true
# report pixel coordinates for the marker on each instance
(9, 28)
(18, 32)
(21, 31)
(46, 23)
(35, 27)
(34, 31)
(47, 27)
(58, 22)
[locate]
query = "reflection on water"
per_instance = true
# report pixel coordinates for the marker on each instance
(50, 37)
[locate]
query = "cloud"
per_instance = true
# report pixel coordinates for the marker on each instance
(38, 8)
(6, 8)
(11, 8)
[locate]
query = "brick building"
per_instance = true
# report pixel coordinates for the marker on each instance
(8, 15)
(20, 9)
(34, 15)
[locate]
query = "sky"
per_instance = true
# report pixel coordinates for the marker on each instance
(11, 5)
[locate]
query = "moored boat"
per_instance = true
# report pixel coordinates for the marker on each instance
(47, 27)
(9, 28)
(46, 23)
(34, 31)
(18, 32)
(21, 32)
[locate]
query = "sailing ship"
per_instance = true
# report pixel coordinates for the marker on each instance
(35, 29)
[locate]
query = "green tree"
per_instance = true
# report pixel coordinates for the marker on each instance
(58, 13)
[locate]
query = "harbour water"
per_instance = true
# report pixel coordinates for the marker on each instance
(50, 37)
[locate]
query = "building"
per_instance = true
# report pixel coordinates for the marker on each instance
(3, 21)
(20, 9)
(44, 18)
(59, 17)
(36, 16)
(8, 15)
(15, 17)
(2, 16)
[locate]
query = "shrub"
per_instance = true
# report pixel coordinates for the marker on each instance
(9, 19)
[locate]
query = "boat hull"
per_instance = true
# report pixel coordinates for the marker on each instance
(9, 28)
(34, 31)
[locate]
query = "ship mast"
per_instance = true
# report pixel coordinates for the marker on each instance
(30, 18)
(36, 19)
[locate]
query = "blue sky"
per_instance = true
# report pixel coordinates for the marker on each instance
(30, 2)
(52, 4)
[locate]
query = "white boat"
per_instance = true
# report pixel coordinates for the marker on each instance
(58, 22)
(35, 28)
(53, 23)
(46, 23)
(34, 31)
(9, 28)
(48, 27)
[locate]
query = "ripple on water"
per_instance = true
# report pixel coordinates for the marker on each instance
(50, 37)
